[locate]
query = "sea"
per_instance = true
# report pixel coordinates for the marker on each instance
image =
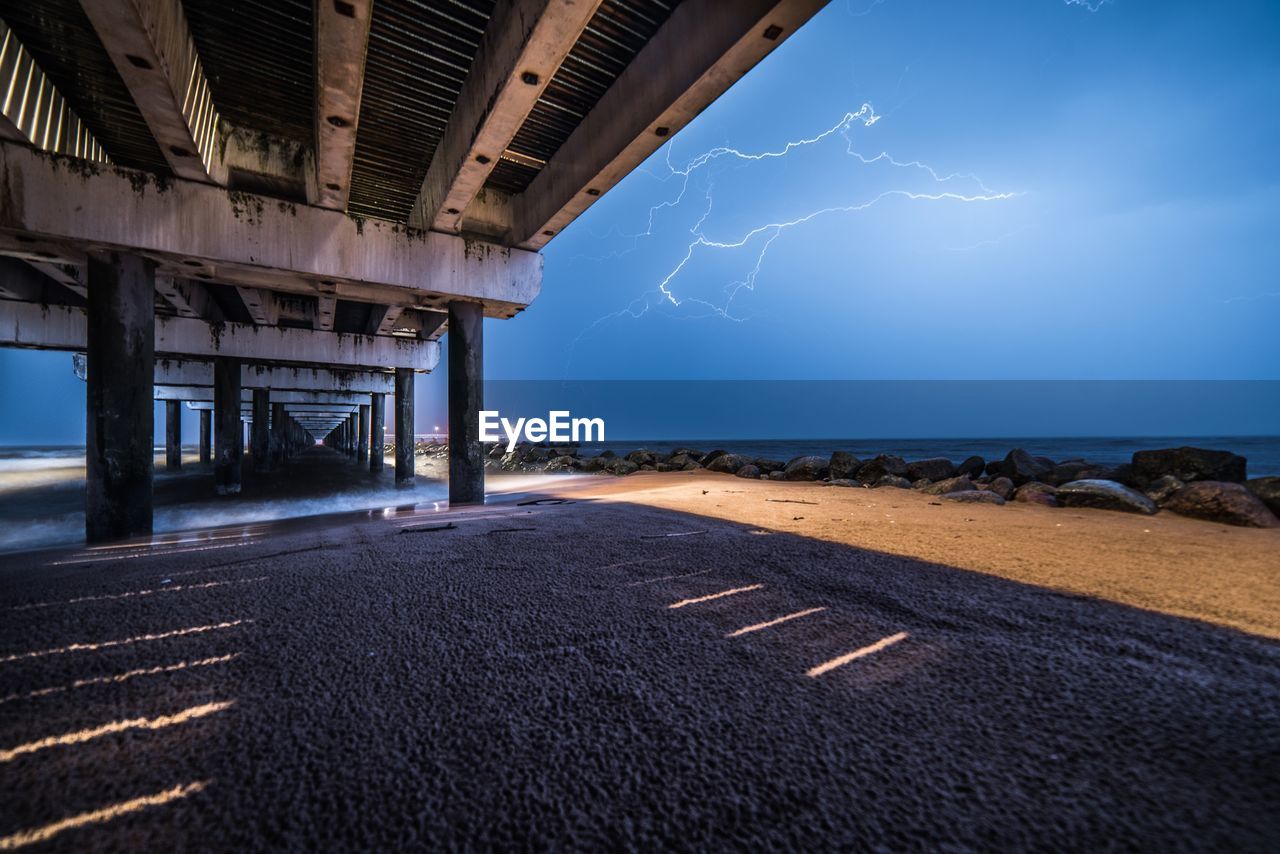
(42, 487)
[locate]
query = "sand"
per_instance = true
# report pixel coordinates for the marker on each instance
(878, 672)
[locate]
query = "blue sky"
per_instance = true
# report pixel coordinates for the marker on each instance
(1124, 224)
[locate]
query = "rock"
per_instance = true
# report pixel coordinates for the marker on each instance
(769, 466)
(594, 464)
(497, 452)
(1104, 495)
(806, 468)
(777, 475)
(728, 463)
(1162, 489)
(749, 470)
(843, 481)
(642, 457)
(1034, 492)
(844, 465)
(1267, 489)
(960, 483)
(974, 496)
(972, 466)
(647, 467)
(692, 466)
(711, 455)
(920, 483)
(562, 463)
(689, 452)
(1217, 501)
(1020, 467)
(668, 467)
(894, 481)
(564, 451)
(1069, 470)
(1188, 464)
(934, 468)
(878, 467)
(1001, 486)
(608, 455)
(621, 466)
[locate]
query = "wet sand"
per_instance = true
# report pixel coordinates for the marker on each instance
(670, 660)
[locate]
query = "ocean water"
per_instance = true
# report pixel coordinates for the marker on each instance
(42, 488)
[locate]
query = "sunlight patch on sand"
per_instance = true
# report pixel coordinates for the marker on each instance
(81, 736)
(83, 647)
(842, 660)
(120, 677)
(746, 630)
(735, 591)
(99, 816)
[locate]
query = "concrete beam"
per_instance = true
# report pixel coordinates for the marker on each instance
(63, 328)
(252, 240)
(342, 39)
(186, 372)
(199, 394)
(188, 298)
(260, 304)
(702, 50)
(522, 48)
(152, 49)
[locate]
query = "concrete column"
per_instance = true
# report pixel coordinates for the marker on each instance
(362, 445)
(377, 428)
(404, 426)
(466, 399)
(173, 435)
(261, 430)
(353, 435)
(206, 436)
(229, 434)
(279, 434)
(120, 420)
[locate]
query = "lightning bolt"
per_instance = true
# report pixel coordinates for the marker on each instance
(1091, 5)
(943, 188)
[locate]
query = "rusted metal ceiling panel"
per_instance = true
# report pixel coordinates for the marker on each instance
(420, 51)
(616, 33)
(63, 43)
(257, 56)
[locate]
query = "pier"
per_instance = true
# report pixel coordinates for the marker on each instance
(273, 214)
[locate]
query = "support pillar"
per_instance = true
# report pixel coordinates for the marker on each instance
(353, 435)
(173, 435)
(206, 437)
(261, 434)
(377, 428)
(229, 434)
(404, 426)
(279, 434)
(466, 399)
(120, 419)
(362, 443)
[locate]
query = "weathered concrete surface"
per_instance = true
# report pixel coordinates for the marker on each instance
(255, 241)
(404, 426)
(362, 446)
(229, 435)
(120, 426)
(206, 436)
(261, 445)
(173, 435)
(341, 40)
(466, 399)
(377, 427)
(63, 328)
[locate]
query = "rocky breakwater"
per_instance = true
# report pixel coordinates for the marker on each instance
(1195, 482)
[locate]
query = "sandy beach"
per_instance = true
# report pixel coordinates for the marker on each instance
(679, 660)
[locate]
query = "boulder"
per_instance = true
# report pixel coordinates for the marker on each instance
(960, 483)
(692, 466)
(1162, 489)
(885, 464)
(728, 463)
(1069, 470)
(920, 483)
(668, 467)
(642, 457)
(621, 466)
(769, 466)
(711, 455)
(1217, 501)
(1188, 464)
(608, 455)
(806, 468)
(679, 460)
(844, 465)
(777, 475)
(562, 463)
(843, 481)
(1001, 486)
(749, 470)
(647, 467)
(934, 468)
(689, 452)
(974, 496)
(894, 481)
(594, 464)
(1267, 489)
(972, 466)
(1104, 495)
(1020, 467)
(1034, 492)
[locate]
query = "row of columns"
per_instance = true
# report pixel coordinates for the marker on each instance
(120, 361)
